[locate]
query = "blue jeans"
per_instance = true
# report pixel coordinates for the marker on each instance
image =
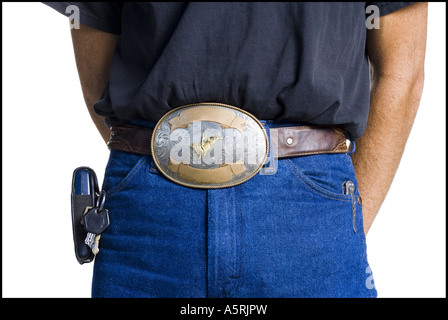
(289, 234)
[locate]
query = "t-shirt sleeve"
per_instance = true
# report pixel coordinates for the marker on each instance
(104, 16)
(389, 7)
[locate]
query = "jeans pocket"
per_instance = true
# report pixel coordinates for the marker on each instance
(121, 169)
(324, 174)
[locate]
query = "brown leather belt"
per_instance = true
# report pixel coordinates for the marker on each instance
(290, 142)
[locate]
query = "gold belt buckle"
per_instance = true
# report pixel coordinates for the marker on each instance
(209, 145)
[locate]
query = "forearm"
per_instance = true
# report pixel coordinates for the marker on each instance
(93, 53)
(394, 104)
(90, 97)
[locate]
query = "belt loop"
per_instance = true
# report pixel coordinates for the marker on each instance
(271, 165)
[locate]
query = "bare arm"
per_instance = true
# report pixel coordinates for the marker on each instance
(93, 52)
(396, 52)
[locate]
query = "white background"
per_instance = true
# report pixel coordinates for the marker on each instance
(47, 133)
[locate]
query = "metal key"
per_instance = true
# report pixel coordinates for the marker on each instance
(95, 222)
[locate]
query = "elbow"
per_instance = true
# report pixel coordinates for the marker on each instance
(417, 85)
(407, 82)
(412, 91)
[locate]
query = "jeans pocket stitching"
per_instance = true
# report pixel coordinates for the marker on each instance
(314, 187)
(128, 177)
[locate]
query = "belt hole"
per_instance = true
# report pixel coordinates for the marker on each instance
(289, 141)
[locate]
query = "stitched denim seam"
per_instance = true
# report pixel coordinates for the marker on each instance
(237, 266)
(312, 186)
(128, 177)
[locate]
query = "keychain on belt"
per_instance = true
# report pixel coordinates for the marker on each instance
(89, 217)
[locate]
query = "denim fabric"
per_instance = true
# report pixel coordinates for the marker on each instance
(284, 235)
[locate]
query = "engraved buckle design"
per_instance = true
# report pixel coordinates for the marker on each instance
(209, 145)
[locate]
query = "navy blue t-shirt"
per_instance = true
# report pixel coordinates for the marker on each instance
(292, 61)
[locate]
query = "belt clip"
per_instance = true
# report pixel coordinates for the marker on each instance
(271, 165)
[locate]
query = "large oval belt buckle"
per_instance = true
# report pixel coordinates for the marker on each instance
(209, 145)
